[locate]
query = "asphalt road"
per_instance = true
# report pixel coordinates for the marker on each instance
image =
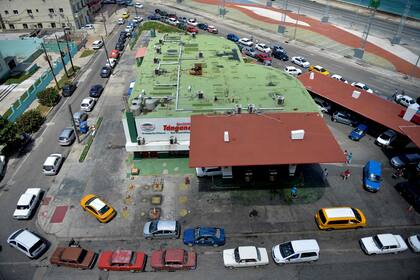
(27, 171)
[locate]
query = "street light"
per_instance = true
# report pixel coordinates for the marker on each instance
(397, 38)
(373, 5)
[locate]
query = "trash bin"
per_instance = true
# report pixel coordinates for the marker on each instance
(83, 127)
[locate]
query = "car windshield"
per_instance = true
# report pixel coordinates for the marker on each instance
(48, 168)
(153, 227)
(374, 177)
(321, 216)
(385, 136)
(357, 214)
(303, 60)
(103, 209)
(82, 255)
(22, 207)
(35, 246)
(286, 249)
(377, 241)
(217, 233)
(358, 131)
(236, 253)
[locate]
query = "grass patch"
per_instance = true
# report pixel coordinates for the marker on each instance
(21, 78)
(66, 79)
(89, 141)
(158, 26)
(86, 53)
(44, 110)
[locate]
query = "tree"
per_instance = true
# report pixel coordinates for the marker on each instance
(29, 122)
(9, 134)
(48, 97)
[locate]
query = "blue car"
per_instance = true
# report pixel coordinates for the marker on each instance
(207, 236)
(372, 176)
(358, 132)
(232, 37)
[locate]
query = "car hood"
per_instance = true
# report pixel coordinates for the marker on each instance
(382, 141)
(369, 245)
(21, 213)
(414, 242)
(229, 257)
(397, 162)
(278, 258)
(372, 185)
(189, 235)
(146, 228)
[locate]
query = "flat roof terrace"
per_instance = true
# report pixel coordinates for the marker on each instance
(221, 79)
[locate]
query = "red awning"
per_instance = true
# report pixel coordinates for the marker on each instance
(412, 132)
(141, 52)
(261, 139)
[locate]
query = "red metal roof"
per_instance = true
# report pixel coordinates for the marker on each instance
(368, 105)
(141, 52)
(261, 139)
(412, 132)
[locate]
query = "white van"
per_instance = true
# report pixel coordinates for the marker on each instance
(296, 251)
(208, 171)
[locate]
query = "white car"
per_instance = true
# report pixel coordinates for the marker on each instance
(129, 28)
(137, 19)
(263, 48)
(52, 164)
(414, 242)
(208, 171)
(383, 244)
(404, 100)
(96, 45)
(139, 5)
(173, 21)
(111, 63)
(339, 78)
(245, 42)
(296, 251)
(292, 70)
(245, 256)
(362, 86)
(27, 203)
(301, 61)
(87, 104)
(29, 243)
(88, 26)
(121, 21)
(192, 21)
(386, 138)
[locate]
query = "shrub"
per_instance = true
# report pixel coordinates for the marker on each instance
(48, 97)
(29, 122)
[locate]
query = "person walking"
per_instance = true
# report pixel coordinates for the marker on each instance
(325, 173)
(349, 158)
(346, 174)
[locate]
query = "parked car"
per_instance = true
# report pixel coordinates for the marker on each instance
(98, 208)
(232, 37)
(339, 78)
(383, 244)
(372, 176)
(322, 103)
(79, 117)
(292, 70)
(280, 55)
(88, 26)
(262, 48)
(404, 100)
(411, 192)
(202, 26)
(246, 42)
(208, 171)
(278, 48)
(343, 117)
(362, 86)
(192, 21)
(137, 19)
(96, 91)
(111, 62)
(296, 251)
(264, 58)
(115, 54)
(161, 229)
(27, 204)
(249, 51)
(68, 89)
(119, 46)
(105, 72)
(301, 61)
(414, 242)
(28, 242)
(340, 218)
(121, 21)
(358, 133)
(210, 236)
(319, 69)
(138, 5)
(173, 259)
(192, 30)
(76, 257)
(386, 138)
(96, 45)
(87, 104)
(154, 17)
(52, 164)
(122, 260)
(125, 15)
(245, 256)
(66, 136)
(173, 21)
(212, 29)
(182, 19)
(404, 160)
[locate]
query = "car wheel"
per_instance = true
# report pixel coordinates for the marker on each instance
(215, 245)
(190, 244)
(132, 271)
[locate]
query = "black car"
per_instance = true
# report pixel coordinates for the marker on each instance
(182, 19)
(96, 91)
(105, 72)
(123, 33)
(68, 89)
(121, 40)
(410, 190)
(182, 25)
(280, 55)
(153, 17)
(119, 46)
(202, 26)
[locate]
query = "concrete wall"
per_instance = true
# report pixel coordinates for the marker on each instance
(4, 69)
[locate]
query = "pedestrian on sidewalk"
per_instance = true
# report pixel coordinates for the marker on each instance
(349, 158)
(346, 174)
(325, 173)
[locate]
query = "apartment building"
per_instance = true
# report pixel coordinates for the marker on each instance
(32, 14)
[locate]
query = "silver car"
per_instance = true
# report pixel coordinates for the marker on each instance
(161, 229)
(66, 137)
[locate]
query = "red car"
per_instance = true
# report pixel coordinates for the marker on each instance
(122, 260)
(173, 259)
(264, 57)
(192, 30)
(115, 54)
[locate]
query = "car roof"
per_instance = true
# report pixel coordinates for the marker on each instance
(78, 114)
(387, 239)
(87, 100)
(207, 231)
(50, 160)
(97, 203)
(174, 255)
(339, 212)
(66, 132)
(248, 252)
(362, 126)
(305, 245)
(166, 225)
(71, 253)
(27, 238)
(121, 256)
(390, 132)
(25, 199)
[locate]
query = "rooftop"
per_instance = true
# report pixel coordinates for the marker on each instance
(261, 139)
(222, 79)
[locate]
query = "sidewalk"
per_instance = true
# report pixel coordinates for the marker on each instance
(264, 16)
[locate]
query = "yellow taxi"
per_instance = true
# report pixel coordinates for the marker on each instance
(98, 208)
(319, 69)
(125, 15)
(340, 218)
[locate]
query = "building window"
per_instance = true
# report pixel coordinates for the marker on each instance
(11, 26)
(53, 25)
(15, 12)
(61, 10)
(6, 12)
(51, 11)
(39, 25)
(25, 26)
(29, 11)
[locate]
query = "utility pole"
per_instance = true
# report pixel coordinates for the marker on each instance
(106, 52)
(51, 68)
(282, 25)
(222, 10)
(373, 5)
(61, 56)
(104, 21)
(135, 9)
(326, 16)
(269, 3)
(296, 23)
(68, 50)
(74, 124)
(397, 37)
(415, 67)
